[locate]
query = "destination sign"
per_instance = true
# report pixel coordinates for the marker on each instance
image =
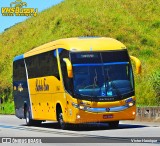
(85, 57)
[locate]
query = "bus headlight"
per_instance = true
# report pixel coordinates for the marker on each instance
(131, 104)
(81, 107)
(75, 105)
(86, 108)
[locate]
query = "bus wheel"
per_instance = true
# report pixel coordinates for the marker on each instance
(28, 120)
(61, 123)
(113, 124)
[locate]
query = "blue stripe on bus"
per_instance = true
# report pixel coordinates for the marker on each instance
(18, 57)
(99, 64)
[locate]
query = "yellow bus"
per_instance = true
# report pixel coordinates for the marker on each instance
(75, 80)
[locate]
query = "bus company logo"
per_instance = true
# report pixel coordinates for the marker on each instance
(107, 109)
(20, 88)
(16, 9)
(41, 85)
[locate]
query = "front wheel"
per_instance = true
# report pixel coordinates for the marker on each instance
(61, 122)
(113, 124)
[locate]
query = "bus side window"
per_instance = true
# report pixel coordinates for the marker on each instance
(42, 65)
(19, 72)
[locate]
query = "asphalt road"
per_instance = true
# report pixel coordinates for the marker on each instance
(128, 131)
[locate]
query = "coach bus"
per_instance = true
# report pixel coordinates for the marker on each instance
(74, 81)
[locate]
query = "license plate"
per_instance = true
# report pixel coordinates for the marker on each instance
(107, 116)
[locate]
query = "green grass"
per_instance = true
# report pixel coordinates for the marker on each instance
(135, 23)
(7, 108)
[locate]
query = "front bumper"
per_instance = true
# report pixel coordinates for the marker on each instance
(83, 116)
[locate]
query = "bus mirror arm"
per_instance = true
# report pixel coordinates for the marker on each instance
(137, 63)
(69, 67)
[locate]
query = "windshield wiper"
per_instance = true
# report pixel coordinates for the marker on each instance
(95, 79)
(94, 84)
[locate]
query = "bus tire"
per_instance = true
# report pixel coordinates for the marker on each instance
(61, 122)
(29, 121)
(113, 124)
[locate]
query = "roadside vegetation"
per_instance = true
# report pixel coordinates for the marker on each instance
(135, 23)
(7, 108)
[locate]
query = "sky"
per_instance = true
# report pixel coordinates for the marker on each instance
(7, 21)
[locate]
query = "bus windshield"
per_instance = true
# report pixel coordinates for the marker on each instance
(98, 77)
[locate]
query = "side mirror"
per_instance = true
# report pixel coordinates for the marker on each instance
(137, 63)
(69, 67)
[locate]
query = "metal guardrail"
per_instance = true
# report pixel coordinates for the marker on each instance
(149, 114)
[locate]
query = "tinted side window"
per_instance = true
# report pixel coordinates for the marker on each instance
(19, 72)
(41, 65)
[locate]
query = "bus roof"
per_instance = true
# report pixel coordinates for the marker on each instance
(79, 44)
